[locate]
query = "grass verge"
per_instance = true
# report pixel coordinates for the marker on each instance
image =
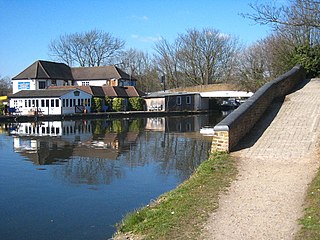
(310, 222)
(180, 213)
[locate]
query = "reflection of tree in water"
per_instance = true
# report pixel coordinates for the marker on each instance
(173, 152)
(99, 165)
(85, 170)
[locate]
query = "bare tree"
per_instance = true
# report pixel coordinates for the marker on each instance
(92, 48)
(264, 61)
(5, 86)
(300, 20)
(197, 57)
(253, 68)
(167, 62)
(140, 66)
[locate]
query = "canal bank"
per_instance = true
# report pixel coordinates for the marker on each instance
(180, 213)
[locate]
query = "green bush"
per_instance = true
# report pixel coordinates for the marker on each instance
(96, 105)
(118, 104)
(309, 58)
(136, 103)
(1, 108)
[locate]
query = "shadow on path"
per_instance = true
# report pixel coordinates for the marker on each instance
(259, 128)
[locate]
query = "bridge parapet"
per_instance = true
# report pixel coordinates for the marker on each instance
(236, 125)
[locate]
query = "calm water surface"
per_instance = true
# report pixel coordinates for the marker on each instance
(77, 179)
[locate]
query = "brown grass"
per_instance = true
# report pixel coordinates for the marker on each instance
(208, 88)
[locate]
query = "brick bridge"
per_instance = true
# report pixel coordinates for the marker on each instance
(274, 136)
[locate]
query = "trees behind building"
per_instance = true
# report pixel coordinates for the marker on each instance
(87, 49)
(5, 86)
(207, 56)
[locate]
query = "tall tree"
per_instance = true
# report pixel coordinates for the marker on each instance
(300, 19)
(87, 49)
(140, 66)
(297, 30)
(197, 57)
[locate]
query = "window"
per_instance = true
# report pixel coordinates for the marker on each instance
(42, 85)
(70, 102)
(47, 103)
(42, 103)
(52, 102)
(63, 102)
(179, 100)
(85, 83)
(188, 100)
(57, 102)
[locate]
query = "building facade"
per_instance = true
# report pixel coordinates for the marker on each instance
(44, 74)
(50, 102)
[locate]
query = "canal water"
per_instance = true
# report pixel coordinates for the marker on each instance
(77, 179)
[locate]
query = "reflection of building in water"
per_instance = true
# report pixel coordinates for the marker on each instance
(49, 142)
(55, 128)
(42, 150)
(156, 124)
(177, 124)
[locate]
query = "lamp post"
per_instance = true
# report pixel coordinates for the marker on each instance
(163, 81)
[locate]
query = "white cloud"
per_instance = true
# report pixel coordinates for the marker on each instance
(146, 38)
(142, 18)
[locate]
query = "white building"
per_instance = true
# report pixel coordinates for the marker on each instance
(50, 101)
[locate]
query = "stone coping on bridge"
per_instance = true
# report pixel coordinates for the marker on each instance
(236, 125)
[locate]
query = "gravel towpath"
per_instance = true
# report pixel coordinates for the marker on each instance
(276, 163)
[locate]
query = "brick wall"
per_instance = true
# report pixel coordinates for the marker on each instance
(237, 124)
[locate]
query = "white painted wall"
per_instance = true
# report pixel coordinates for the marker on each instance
(32, 84)
(90, 82)
(18, 85)
(52, 106)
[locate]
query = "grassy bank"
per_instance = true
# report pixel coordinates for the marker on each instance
(180, 213)
(311, 220)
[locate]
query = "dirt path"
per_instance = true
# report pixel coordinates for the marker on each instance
(275, 168)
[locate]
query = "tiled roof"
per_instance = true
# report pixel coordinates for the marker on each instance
(46, 70)
(99, 73)
(134, 92)
(41, 93)
(111, 91)
(52, 70)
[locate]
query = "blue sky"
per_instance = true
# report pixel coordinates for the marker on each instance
(28, 26)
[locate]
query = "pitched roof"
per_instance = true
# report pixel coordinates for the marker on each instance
(102, 91)
(44, 93)
(46, 70)
(134, 92)
(99, 73)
